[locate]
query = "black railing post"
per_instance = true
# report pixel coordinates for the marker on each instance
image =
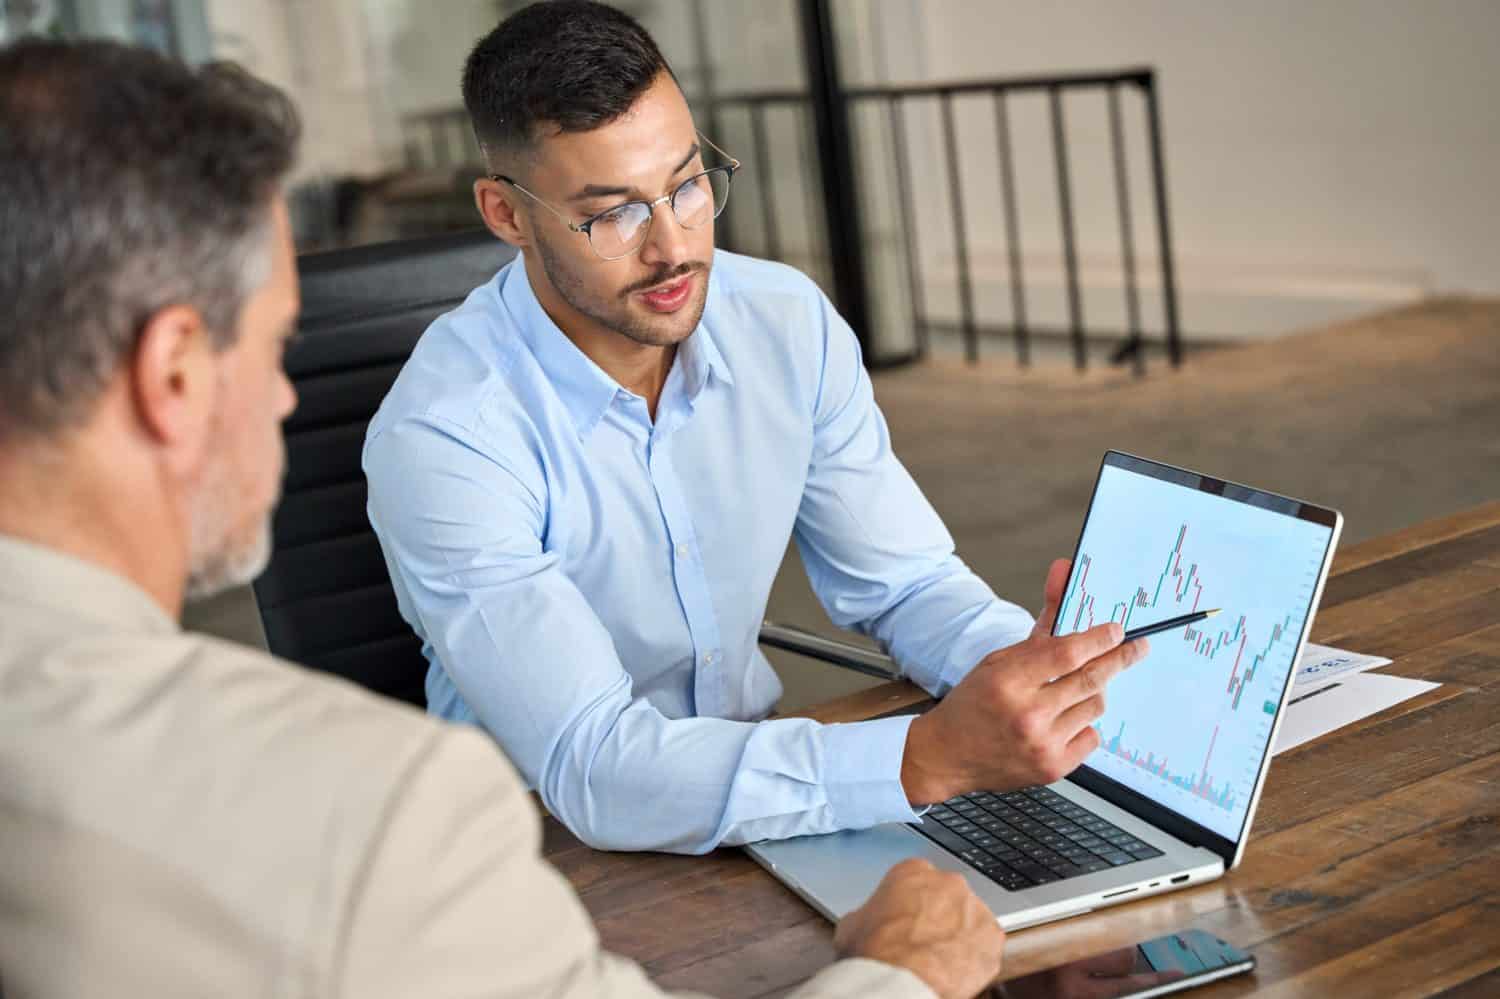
(1134, 346)
(1065, 209)
(1163, 224)
(960, 233)
(908, 222)
(836, 166)
(1012, 232)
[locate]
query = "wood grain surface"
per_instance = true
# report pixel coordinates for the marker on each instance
(1373, 867)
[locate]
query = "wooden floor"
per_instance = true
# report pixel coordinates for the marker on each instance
(1393, 419)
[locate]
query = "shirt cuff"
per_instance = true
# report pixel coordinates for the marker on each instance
(862, 772)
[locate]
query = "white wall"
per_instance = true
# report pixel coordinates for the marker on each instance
(1323, 158)
(317, 51)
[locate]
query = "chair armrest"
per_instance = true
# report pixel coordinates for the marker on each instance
(829, 650)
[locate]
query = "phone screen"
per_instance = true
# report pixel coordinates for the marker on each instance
(1157, 967)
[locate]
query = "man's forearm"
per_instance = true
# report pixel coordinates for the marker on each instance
(943, 629)
(640, 781)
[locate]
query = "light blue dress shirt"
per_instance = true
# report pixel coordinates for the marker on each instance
(589, 586)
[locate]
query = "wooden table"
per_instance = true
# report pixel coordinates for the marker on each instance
(1374, 863)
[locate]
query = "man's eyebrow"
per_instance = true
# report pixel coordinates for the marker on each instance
(687, 159)
(591, 191)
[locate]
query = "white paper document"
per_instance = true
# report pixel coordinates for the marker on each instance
(1322, 708)
(1320, 665)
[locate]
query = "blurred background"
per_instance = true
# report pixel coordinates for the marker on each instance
(1255, 239)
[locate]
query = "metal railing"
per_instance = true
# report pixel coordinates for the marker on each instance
(442, 139)
(898, 100)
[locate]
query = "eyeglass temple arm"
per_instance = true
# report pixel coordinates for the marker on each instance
(713, 145)
(501, 178)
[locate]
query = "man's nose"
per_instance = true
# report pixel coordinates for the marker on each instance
(666, 241)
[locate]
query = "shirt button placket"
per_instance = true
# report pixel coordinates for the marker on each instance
(681, 550)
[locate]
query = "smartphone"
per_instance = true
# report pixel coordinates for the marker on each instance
(1157, 967)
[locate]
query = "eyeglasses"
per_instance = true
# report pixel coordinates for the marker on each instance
(618, 232)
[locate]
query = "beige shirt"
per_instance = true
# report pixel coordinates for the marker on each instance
(180, 816)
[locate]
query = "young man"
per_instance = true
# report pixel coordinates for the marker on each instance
(180, 816)
(585, 477)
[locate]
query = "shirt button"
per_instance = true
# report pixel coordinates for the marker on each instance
(682, 551)
(710, 659)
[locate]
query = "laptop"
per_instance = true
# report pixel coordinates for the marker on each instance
(1167, 799)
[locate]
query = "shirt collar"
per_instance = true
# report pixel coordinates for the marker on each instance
(581, 384)
(584, 387)
(41, 577)
(700, 358)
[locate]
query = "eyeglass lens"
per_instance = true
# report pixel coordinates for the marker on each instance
(695, 202)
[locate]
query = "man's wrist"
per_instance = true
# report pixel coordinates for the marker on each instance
(923, 775)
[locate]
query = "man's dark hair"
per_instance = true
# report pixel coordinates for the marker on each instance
(128, 183)
(568, 64)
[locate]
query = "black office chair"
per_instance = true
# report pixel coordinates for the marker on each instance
(326, 600)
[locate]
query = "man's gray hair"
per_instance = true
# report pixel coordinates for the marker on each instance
(128, 183)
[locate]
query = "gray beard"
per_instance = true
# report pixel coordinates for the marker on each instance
(217, 559)
(223, 566)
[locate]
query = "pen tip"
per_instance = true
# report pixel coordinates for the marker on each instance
(1213, 612)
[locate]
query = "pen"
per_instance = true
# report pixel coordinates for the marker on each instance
(1168, 624)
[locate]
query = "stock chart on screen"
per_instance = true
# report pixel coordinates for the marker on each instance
(1189, 725)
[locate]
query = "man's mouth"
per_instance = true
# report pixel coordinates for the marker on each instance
(669, 296)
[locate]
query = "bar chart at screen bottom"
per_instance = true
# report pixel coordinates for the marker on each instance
(1190, 724)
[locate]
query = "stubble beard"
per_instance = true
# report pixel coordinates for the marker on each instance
(667, 331)
(219, 559)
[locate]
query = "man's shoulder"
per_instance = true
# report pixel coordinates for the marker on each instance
(468, 378)
(225, 740)
(200, 703)
(206, 776)
(325, 726)
(739, 277)
(784, 309)
(464, 362)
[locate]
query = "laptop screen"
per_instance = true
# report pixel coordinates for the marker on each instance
(1190, 725)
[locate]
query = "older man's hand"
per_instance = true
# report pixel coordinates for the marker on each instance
(932, 924)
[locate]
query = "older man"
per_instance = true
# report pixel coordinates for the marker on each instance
(180, 816)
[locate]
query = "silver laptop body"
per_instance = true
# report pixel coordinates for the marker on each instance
(836, 873)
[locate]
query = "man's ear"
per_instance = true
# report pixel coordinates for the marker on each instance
(497, 202)
(174, 381)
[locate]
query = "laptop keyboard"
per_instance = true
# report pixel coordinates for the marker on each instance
(1021, 839)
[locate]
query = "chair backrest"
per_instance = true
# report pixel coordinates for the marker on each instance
(326, 599)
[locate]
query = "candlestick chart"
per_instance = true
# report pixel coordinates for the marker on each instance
(1190, 724)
